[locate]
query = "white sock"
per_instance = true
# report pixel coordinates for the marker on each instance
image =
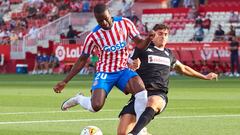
(85, 102)
(140, 103)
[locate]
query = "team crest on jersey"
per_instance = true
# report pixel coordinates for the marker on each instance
(121, 32)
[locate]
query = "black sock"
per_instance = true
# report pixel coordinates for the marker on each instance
(144, 119)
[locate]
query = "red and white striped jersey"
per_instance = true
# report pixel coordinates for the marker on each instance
(111, 44)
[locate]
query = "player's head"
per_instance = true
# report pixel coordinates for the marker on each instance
(103, 16)
(161, 37)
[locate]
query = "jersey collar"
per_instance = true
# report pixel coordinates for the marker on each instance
(160, 49)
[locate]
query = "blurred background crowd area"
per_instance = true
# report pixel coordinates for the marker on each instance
(30, 28)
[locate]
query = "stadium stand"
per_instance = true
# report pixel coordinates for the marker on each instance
(50, 20)
(182, 27)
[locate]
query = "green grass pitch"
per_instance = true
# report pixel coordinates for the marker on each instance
(28, 106)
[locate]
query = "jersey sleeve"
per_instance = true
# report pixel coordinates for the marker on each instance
(88, 45)
(132, 30)
(135, 53)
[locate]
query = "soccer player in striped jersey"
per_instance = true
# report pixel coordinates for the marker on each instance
(110, 38)
(156, 62)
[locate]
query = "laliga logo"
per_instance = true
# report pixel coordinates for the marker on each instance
(62, 53)
(114, 48)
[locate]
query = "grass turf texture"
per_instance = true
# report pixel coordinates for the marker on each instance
(196, 107)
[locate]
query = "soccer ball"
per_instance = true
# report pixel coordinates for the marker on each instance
(91, 130)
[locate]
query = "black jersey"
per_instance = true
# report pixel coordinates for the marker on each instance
(155, 67)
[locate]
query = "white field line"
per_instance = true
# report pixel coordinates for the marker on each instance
(49, 112)
(114, 119)
(111, 110)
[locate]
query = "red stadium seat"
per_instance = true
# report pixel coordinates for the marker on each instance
(24, 14)
(203, 14)
(184, 15)
(14, 16)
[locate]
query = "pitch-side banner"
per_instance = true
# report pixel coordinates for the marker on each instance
(67, 52)
(201, 51)
(183, 51)
(5, 50)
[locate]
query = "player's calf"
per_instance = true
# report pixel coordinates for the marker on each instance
(98, 99)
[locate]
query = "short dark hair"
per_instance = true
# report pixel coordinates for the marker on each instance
(160, 27)
(100, 8)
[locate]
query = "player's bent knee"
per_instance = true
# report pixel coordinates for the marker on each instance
(156, 102)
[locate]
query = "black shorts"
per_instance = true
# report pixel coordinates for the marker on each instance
(129, 107)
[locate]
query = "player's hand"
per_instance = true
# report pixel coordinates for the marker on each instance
(58, 88)
(136, 64)
(151, 34)
(211, 76)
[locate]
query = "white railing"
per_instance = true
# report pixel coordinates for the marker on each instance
(17, 50)
(48, 32)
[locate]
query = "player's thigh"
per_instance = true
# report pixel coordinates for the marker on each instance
(102, 85)
(158, 103)
(104, 81)
(98, 98)
(135, 85)
(126, 124)
(130, 82)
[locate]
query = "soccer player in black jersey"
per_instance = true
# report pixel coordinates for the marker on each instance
(156, 63)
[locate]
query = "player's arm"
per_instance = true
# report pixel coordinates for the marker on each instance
(143, 43)
(134, 34)
(82, 60)
(133, 60)
(134, 64)
(77, 67)
(186, 70)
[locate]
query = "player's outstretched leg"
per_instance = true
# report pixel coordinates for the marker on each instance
(136, 87)
(93, 104)
(155, 105)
